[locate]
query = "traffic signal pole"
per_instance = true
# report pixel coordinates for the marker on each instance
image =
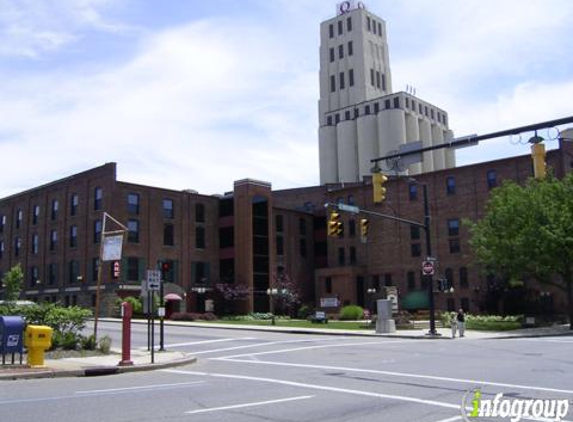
(430, 283)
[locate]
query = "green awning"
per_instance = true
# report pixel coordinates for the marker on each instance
(415, 300)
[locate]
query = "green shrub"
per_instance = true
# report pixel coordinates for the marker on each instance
(88, 343)
(104, 344)
(305, 311)
(351, 313)
(135, 302)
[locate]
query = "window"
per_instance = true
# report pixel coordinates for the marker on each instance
(332, 83)
(464, 284)
(340, 27)
(200, 237)
(351, 228)
(368, 23)
(373, 26)
(52, 273)
(388, 279)
(491, 179)
(73, 271)
(396, 102)
(329, 120)
(133, 203)
(415, 250)
(2, 223)
(411, 277)
(372, 77)
(279, 223)
(98, 198)
(454, 245)
(34, 276)
(379, 29)
(133, 231)
(331, 31)
(349, 24)
(97, 231)
(328, 285)
(19, 217)
(414, 232)
(54, 209)
(341, 79)
(1, 249)
(450, 185)
(36, 214)
(302, 226)
(168, 234)
(53, 240)
(449, 275)
(331, 55)
(199, 213)
(341, 256)
(35, 244)
(378, 79)
(356, 112)
(17, 246)
(386, 104)
(465, 304)
(347, 114)
(167, 208)
(352, 255)
(351, 81)
(302, 247)
(280, 245)
(336, 116)
(132, 269)
(341, 51)
(74, 202)
(413, 192)
(367, 109)
(350, 48)
(453, 227)
(376, 108)
(73, 236)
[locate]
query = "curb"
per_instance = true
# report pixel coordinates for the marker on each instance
(95, 370)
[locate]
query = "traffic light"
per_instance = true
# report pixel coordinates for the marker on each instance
(364, 227)
(378, 188)
(538, 156)
(116, 269)
(165, 270)
(335, 227)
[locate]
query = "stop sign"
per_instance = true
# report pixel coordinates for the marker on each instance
(428, 268)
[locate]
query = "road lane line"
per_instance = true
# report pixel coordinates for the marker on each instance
(323, 346)
(269, 343)
(241, 406)
(318, 387)
(221, 340)
(398, 374)
(455, 418)
(139, 387)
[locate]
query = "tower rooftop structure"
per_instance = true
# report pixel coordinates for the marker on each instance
(360, 117)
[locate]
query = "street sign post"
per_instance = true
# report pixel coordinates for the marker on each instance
(153, 280)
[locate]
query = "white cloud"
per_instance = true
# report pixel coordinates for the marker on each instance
(197, 107)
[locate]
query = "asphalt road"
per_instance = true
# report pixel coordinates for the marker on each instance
(257, 376)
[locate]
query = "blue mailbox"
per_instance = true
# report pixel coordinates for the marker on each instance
(11, 336)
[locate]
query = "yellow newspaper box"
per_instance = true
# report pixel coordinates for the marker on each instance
(38, 339)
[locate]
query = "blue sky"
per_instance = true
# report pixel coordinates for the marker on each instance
(197, 94)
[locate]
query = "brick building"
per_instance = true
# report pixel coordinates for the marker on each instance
(253, 236)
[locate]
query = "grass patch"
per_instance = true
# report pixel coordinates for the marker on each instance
(293, 323)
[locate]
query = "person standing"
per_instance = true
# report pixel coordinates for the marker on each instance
(461, 321)
(453, 323)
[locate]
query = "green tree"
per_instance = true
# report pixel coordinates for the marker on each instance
(12, 282)
(527, 232)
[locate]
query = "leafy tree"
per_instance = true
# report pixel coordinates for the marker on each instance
(12, 282)
(527, 232)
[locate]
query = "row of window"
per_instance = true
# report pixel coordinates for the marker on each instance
(340, 27)
(349, 51)
(54, 210)
(378, 80)
(342, 80)
(134, 204)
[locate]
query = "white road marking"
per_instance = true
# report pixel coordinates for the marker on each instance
(400, 374)
(546, 340)
(136, 388)
(318, 387)
(271, 352)
(209, 341)
(455, 418)
(269, 343)
(240, 406)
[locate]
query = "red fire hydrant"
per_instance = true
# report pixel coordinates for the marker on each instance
(126, 314)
